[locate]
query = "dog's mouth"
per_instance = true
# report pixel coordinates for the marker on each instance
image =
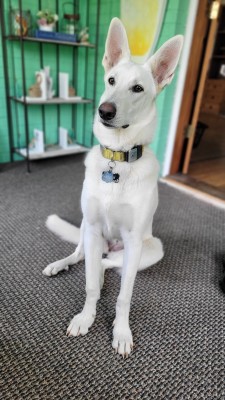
(107, 125)
(112, 126)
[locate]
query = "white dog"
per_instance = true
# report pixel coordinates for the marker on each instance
(119, 196)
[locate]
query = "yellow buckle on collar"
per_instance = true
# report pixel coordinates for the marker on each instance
(129, 156)
(113, 155)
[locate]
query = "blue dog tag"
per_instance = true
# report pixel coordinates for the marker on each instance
(107, 176)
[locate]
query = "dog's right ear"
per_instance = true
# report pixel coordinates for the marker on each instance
(116, 47)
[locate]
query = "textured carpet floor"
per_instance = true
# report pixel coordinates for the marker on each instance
(177, 313)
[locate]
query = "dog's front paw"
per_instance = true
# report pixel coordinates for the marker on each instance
(122, 339)
(54, 268)
(80, 324)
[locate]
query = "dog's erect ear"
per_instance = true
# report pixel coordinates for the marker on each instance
(116, 47)
(163, 63)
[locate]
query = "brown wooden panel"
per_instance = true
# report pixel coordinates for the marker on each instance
(213, 27)
(197, 48)
(210, 107)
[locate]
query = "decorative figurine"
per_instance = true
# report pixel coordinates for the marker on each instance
(66, 90)
(43, 86)
(37, 143)
(20, 22)
(84, 35)
(49, 83)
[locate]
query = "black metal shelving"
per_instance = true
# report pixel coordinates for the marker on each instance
(13, 99)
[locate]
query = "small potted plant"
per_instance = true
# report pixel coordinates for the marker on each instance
(46, 20)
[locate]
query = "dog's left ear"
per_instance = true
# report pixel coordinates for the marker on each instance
(164, 62)
(116, 47)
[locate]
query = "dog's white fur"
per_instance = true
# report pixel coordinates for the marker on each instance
(119, 213)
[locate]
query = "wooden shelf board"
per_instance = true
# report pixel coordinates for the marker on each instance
(50, 41)
(54, 100)
(54, 151)
(219, 56)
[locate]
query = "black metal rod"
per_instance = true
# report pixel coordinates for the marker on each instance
(86, 70)
(42, 107)
(74, 108)
(42, 66)
(16, 105)
(57, 78)
(24, 90)
(7, 84)
(75, 75)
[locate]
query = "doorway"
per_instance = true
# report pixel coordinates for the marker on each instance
(199, 152)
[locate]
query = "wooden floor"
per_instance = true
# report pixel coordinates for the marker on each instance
(195, 185)
(208, 158)
(211, 172)
(212, 144)
(207, 167)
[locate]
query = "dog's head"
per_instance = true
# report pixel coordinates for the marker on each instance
(126, 114)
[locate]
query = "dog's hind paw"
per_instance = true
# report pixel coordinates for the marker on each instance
(54, 268)
(80, 324)
(122, 340)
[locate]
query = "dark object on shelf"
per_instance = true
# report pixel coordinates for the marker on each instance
(71, 18)
(201, 127)
(56, 36)
(222, 71)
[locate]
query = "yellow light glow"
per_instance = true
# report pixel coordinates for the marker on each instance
(140, 19)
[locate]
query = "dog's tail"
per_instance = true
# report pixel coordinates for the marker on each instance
(63, 229)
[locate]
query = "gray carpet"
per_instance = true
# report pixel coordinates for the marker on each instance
(177, 313)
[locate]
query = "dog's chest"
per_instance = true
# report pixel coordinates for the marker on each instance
(113, 200)
(116, 205)
(108, 203)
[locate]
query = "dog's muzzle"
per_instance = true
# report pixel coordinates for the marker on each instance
(107, 111)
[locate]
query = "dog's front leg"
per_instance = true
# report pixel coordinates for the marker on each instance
(93, 248)
(122, 336)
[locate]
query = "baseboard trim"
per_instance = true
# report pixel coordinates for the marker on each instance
(208, 198)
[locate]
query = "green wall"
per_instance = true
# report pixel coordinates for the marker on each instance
(174, 23)
(80, 117)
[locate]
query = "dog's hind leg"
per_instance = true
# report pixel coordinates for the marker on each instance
(152, 252)
(74, 258)
(114, 259)
(60, 265)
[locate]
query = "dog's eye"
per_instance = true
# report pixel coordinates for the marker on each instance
(111, 81)
(137, 89)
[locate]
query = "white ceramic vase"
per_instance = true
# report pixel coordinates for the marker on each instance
(47, 28)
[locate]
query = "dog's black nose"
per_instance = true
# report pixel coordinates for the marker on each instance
(107, 111)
